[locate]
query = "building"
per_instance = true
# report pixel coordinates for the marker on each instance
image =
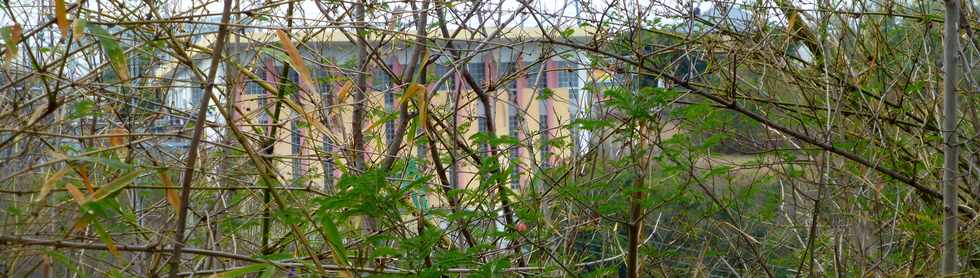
(533, 99)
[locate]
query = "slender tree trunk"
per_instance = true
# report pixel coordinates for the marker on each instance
(635, 228)
(950, 149)
(360, 95)
(195, 141)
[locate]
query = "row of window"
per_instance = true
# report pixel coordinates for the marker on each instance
(565, 78)
(566, 73)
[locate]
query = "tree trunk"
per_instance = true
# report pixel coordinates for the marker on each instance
(950, 149)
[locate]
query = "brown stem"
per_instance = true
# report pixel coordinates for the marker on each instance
(195, 141)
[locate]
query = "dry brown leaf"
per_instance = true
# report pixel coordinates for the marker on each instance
(344, 92)
(118, 137)
(172, 196)
(76, 194)
(297, 60)
(50, 182)
(61, 14)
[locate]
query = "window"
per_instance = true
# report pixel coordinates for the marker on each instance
(482, 122)
(450, 82)
(389, 125)
(512, 117)
(296, 140)
(323, 85)
(543, 118)
(573, 102)
(478, 73)
(380, 80)
(328, 166)
(536, 77)
(515, 174)
(567, 75)
(573, 108)
(263, 115)
(293, 75)
(513, 127)
(138, 63)
(196, 93)
(253, 87)
(503, 71)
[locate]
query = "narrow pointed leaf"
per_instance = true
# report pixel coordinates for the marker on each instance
(76, 194)
(242, 271)
(344, 92)
(61, 15)
(171, 191)
(296, 60)
(112, 49)
(106, 238)
(50, 182)
(412, 90)
(78, 28)
(116, 185)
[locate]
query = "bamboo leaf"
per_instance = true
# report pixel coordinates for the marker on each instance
(334, 239)
(115, 53)
(269, 272)
(76, 194)
(412, 90)
(78, 28)
(61, 15)
(344, 92)
(239, 272)
(297, 60)
(106, 238)
(63, 260)
(171, 191)
(50, 182)
(80, 224)
(116, 185)
(423, 108)
(11, 37)
(118, 137)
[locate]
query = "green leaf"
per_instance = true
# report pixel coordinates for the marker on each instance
(68, 263)
(116, 185)
(245, 270)
(115, 53)
(270, 270)
(333, 237)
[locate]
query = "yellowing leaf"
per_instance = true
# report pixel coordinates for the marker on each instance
(61, 14)
(76, 194)
(11, 37)
(79, 225)
(172, 196)
(106, 238)
(116, 185)
(83, 172)
(118, 137)
(50, 182)
(344, 92)
(423, 108)
(297, 60)
(411, 91)
(78, 28)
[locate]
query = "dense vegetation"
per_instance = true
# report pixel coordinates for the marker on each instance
(717, 139)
